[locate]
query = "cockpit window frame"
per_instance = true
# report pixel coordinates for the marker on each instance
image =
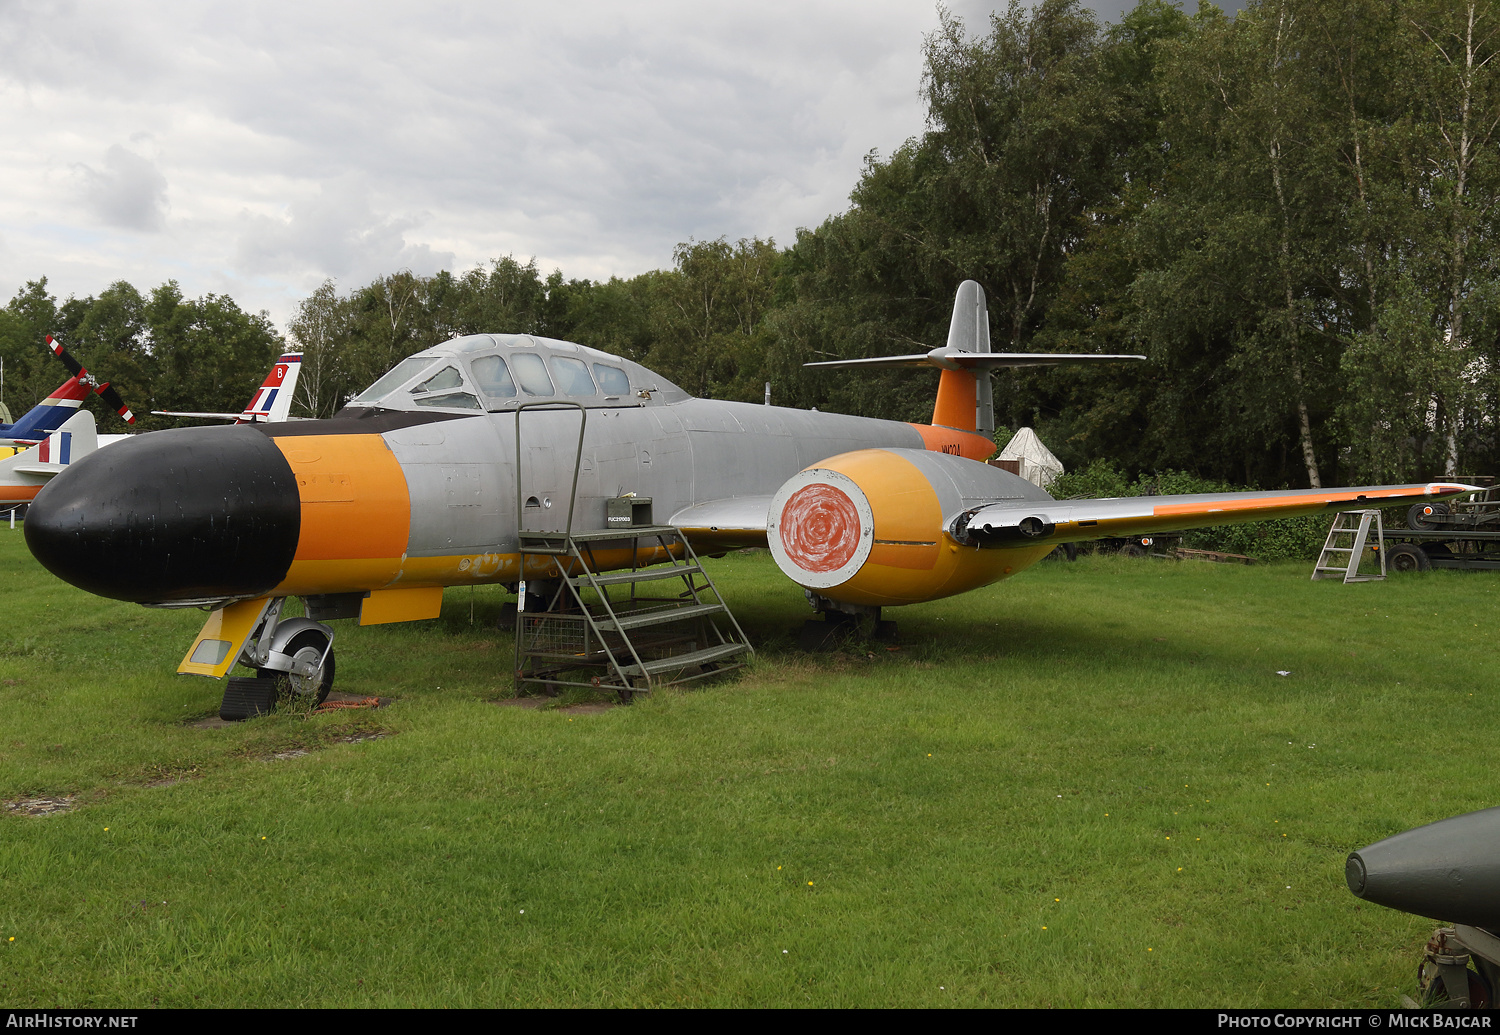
(491, 401)
(428, 363)
(559, 364)
(507, 349)
(514, 361)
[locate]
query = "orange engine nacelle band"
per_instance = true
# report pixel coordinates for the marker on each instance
(869, 527)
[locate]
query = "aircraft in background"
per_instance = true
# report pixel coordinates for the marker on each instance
(271, 403)
(43, 418)
(50, 414)
(26, 470)
(424, 480)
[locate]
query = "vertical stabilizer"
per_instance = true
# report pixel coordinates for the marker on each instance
(48, 415)
(965, 400)
(273, 399)
(76, 439)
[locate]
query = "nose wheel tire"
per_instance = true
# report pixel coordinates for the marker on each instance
(306, 684)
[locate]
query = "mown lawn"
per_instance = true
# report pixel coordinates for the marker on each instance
(1085, 787)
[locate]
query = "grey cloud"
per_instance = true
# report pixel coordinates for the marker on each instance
(130, 191)
(338, 234)
(592, 135)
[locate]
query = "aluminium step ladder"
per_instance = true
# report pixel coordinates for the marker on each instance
(626, 630)
(1345, 546)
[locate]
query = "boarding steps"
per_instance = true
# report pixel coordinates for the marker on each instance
(1342, 561)
(658, 623)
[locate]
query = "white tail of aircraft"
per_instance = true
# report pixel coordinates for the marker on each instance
(272, 402)
(23, 475)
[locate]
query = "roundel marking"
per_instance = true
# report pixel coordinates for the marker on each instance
(819, 528)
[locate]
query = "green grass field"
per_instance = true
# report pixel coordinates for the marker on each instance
(1085, 787)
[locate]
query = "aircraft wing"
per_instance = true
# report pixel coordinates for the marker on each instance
(1063, 521)
(948, 358)
(205, 416)
(728, 524)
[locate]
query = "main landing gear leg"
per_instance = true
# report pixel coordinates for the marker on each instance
(841, 624)
(297, 654)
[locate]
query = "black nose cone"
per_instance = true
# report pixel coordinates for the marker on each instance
(1448, 870)
(171, 516)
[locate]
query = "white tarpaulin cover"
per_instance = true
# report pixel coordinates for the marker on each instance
(1038, 465)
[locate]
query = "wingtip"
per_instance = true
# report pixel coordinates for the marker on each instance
(1451, 488)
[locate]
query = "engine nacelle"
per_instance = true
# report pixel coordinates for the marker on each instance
(871, 527)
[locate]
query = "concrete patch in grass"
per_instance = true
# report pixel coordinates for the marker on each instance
(357, 737)
(41, 806)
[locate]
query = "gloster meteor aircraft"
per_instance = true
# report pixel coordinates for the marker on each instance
(415, 486)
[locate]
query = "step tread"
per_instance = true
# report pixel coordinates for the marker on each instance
(697, 657)
(640, 575)
(668, 614)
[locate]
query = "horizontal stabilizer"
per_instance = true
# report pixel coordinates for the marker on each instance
(1065, 521)
(948, 358)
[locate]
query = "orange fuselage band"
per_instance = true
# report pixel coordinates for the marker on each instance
(356, 514)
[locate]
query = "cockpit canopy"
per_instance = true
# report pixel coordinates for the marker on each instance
(490, 372)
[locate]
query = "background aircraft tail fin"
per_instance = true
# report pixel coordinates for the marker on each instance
(49, 414)
(73, 441)
(273, 399)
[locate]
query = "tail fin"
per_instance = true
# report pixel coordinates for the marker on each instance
(49, 414)
(76, 439)
(273, 400)
(965, 400)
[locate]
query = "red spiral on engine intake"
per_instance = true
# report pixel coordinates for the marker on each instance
(819, 528)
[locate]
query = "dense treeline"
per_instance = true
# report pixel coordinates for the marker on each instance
(161, 351)
(1292, 213)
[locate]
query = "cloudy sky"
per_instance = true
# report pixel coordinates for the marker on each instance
(255, 148)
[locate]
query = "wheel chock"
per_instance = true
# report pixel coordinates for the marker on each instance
(246, 697)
